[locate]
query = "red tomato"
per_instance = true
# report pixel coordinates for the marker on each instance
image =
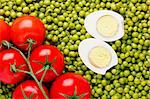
(7, 74)
(25, 28)
(28, 89)
(70, 85)
(4, 32)
(41, 58)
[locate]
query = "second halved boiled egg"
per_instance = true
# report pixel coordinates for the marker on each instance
(97, 55)
(105, 25)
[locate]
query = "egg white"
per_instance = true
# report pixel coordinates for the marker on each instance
(84, 49)
(90, 24)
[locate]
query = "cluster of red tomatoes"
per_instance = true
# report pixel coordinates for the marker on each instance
(46, 62)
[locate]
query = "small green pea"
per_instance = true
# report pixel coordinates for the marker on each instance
(28, 1)
(108, 88)
(104, 82)
(25, 10)
(108, 75)
(18, 2)
(130, 78)
(54, 38)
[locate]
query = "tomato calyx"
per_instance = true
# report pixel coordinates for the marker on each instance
(30, 42)
(25, 96)
(13, 67)
(74, 96)
(46, 66)
(6, 44)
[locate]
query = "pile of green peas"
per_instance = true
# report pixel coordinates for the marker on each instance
(64, 22)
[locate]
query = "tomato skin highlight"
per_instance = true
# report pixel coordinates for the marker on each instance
(4, 33)
(27, 27)
(29, 87)
(9, 57)
(39, 54)
(66, 84)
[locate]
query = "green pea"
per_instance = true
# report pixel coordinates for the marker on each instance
(146, 88)
(93, 80)
(78, 27)
(48, 18)
(55, 20)
(2, 11)
(72, 54)
(18, 2)
(32, 14)
(61, 18)
(118, 43)
(88, 77)
(104, 82)
(126, 90)
(13, 14)
(122, 56)
(81, 13)
(28, 1)
(55, 27)
(108, 75)
(99, 91)
(113, 6)
(65, 25)
(54, 38)
(136, 81)
(126, 73)
(108, 88)
(143, 97)
(141, 56)
(122, 80)
(115, 97)
(119, 89)
(7, 13)
(147, 43)
(132, 88)
(112, 92)
(114, 46)
(114, 71)
(130, 78)
(122, 10)
(135, 95)
(49, 36)
(103, 97)
(71, 47)
(75, 37)
(25, 10)
(57, 10)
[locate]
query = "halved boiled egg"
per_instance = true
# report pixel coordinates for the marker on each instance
(105, 25)
(97, 55)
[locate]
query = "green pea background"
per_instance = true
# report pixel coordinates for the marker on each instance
(64, 22)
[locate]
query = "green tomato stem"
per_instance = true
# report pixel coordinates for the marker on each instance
(29, 65)
(31, 71)
(43, 76)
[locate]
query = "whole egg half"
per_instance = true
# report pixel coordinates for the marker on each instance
(97, 55)
(105, 25)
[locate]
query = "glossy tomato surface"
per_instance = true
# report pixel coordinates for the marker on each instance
(29, 89)
(41, 57)
(8, 58)
(4, 32)
(67, 85)
(25, 28)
